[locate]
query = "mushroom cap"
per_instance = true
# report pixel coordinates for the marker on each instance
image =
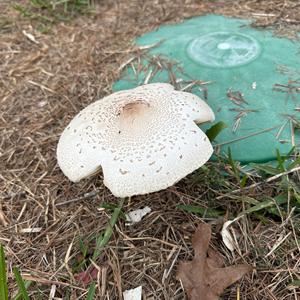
(145, 139)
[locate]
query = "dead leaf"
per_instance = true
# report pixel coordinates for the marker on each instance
(205, 278)
(228, 240)
(86, 277)
(227, 237)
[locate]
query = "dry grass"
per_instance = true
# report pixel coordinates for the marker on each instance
(42, 86)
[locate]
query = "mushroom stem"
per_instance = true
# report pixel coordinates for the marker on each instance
(102, 241)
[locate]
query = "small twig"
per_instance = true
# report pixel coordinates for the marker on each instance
(146, 47)
(278, 243)
(43, 87)
(172, 265)
(247, 136)
(260, 183)
(49, 282)
(85, 196)
(147, 79)
(236, 97)
(242, 113)
(263, 15)
(31, 230)
(281, 129)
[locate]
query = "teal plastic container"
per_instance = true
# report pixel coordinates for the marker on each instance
(255, 81)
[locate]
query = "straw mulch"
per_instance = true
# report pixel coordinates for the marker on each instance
(43, 215)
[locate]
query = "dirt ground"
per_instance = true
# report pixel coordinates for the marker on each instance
(43, 216)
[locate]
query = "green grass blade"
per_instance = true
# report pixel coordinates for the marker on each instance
(280, 160)
(102, 241)
(207, 212)
(19, 294)
(297, 197)
(3, 277)
(21, 284)
(234, 167)
(294, 164)
(281, 199)
(83, 247)
(295, 283)
(243, 180)
(266, 169)
(91, 292)
(232, 162)
(215, 130)
(290, 153)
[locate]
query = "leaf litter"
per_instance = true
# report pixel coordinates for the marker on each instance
(205, 277)
(63, 70)
(86, 277)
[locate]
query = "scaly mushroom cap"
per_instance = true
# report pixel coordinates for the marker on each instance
(145, 139)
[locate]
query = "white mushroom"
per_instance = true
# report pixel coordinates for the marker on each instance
(145, 139)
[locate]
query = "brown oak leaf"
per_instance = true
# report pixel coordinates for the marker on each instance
(205, 278)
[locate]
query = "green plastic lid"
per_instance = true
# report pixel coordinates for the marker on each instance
(255, 81)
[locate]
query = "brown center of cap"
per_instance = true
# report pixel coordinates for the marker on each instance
(134, 109)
